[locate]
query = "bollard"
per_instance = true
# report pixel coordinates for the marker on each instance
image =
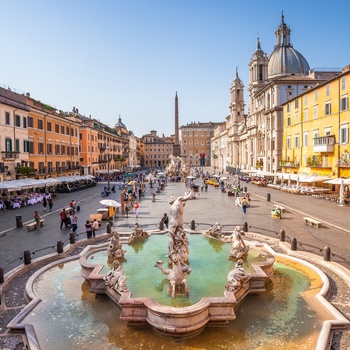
(72, 238)
(161, 225)
(282, 236)
(108, 227)
(268, 197)
(27, 259)
(293, 244)
(193, 225)
(2, 279)
(245, 226)
(59, 247)
(327, 254)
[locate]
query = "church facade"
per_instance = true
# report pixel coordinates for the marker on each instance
(254, 140)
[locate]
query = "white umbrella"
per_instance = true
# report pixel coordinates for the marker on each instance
(338, 181)
(190, 177)
(223, 178)
(110, 203)
(289, 180)
(341, 194)
(216, 175)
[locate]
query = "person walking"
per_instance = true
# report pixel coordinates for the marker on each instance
(44, 202)
(37, 219)
(126, 209)
(95, 226)
(63, 217)
(74, 222)
(153, 197)
(88, 229)
(244, 205)
(50, 202)
(136, 209)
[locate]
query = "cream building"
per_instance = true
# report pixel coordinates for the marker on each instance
(255, 139)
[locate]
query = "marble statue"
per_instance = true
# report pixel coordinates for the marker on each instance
(176, 276)
(238, 248)
(216, 232)
(137, 233)
(178, 241)
(115, 250)
(116, 279)
(237, 278)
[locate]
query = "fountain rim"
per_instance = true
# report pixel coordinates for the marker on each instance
(340, 323)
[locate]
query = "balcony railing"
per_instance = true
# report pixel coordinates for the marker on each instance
(324, 144)
(9, 155)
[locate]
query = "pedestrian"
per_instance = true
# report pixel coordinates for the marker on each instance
(95, 226)
(74, 222)
(63, 217)
(244, 205)
(37, 219)
(44, 203)
(206, 186)
(50, 202)
(126, 209)
(165, 220)
(88, 229)
(136, 209)
(153, 197)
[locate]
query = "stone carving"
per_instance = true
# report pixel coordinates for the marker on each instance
(216, 232)
(116, 279)
(137, 234)
(177, 167)
(114, 249)
(176, 276)
(238, 247)
(178, 241)
(237, 278)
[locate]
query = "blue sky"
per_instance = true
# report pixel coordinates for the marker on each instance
(128, 58)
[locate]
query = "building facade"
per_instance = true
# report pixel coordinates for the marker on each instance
(195, 142)
(316, 130)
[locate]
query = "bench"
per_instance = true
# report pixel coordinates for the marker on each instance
(279, 207)
(32, 225)
(312, 222)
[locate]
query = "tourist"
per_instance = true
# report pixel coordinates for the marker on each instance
(244, 205)
(88, 229)
(74, 222)
(136, 209)
(165, 220)
(95, 226)
(37, 219)
(44, 203)
(153, 197)
(50, 202)
(126, 209)
(63, 217)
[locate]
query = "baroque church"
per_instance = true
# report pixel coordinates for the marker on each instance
(253, 140)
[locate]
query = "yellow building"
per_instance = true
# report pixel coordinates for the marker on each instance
(316, 129)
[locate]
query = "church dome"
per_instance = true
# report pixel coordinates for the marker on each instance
(284, 59)
(120, 124)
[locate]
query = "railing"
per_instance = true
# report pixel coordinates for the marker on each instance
(9, 155)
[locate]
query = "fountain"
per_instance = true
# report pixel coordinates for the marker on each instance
(193, 296)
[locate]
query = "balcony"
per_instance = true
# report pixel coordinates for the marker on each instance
(9, 155)
(288, 164)
(324, 144)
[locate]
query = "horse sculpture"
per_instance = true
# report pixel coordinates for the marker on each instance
(176, 276)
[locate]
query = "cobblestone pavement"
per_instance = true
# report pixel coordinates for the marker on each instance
(208, 208)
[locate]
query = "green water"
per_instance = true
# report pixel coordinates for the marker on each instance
(70, 317)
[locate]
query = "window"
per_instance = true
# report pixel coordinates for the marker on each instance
(49, 126)
(306, 114)
(57, 128)
(31, 147)
(344, 103)
(62, 129)
(315, 96)
(305, 100)
(288, 107)
(40, 124)
(63, 150)
(7, 118)
(296, 103)
(288, 141)
(57, 149)
(344, 133)
(343, 83)
(25, 146)
(306, 139)
(18, 120)
(328, 90)
(288, 121)
(327, 131)
(327, 110)
(296, 117)
(315, 133)
(67, 130)
(17, 145)
(315, 112)
(49, 148)
(40, 148)
(25, 122)
(296, 141)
